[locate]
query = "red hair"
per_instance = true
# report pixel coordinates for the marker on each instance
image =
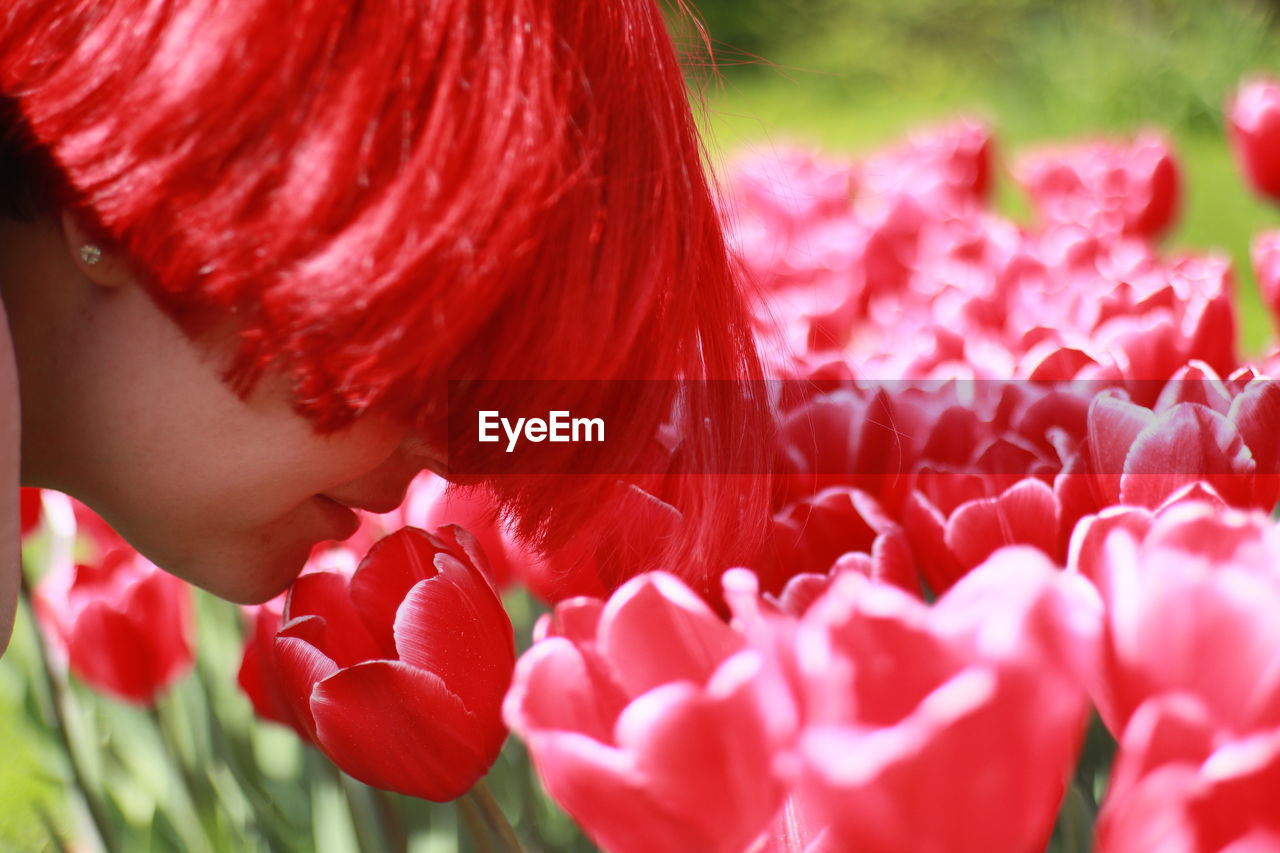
(386, 200)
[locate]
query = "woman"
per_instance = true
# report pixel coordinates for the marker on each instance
(245, 247)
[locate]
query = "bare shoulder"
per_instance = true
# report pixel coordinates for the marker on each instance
(10, 459)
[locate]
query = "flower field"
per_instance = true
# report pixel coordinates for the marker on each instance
(1018, 591)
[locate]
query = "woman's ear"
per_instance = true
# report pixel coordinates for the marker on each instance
(92, 256)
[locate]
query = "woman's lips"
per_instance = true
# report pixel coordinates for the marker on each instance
(342, 520)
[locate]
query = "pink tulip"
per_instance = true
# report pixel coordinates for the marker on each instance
(920, 723)
(1140, 457)
(810, 536)
(646, 723)
(1180, 786)
(950, 165)
(790, 189)
(1253, 125)
(1191, 597)
(947, 546)
(1131, 188)
(797, 828)
(397, 672)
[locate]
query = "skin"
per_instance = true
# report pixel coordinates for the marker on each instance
(121, 410)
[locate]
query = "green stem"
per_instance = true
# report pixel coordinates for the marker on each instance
(1077, 825)
(55, 837)
(475, 824)
(360, 818)
(169, 743)
(59, 699)
(494, 817)
(389, 817)
(529, 800)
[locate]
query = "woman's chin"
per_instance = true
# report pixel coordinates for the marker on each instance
(249, 567)
(248, 570)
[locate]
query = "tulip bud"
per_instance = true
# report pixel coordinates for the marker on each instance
(1253, 123)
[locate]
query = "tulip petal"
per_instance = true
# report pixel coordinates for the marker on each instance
(1189, 442)
(705, 759)
(576, 619)
(325, 595)
(397, 727)
(555, 687)
(1114, 424)
(301, 664)
(926, 530)
(1173, 728)
(606, 795)
(1026, 513)
(1089, 538)
(385, 576)
(446, 628)
(111, 652)
(655, 630)
(1256, 414)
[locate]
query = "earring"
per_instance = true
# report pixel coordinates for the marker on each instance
(90, 254)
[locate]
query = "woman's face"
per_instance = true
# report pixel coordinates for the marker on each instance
(121, 410)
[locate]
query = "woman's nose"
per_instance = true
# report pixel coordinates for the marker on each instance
(421, 453)
(383, 488)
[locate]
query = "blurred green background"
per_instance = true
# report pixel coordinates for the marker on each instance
(849, 75)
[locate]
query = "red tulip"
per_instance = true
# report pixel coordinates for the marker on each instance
(30, 510)
(125, 625)
(645, 721)
(1253, 124)
(397, 672)
(430, 504)
(921, 724)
